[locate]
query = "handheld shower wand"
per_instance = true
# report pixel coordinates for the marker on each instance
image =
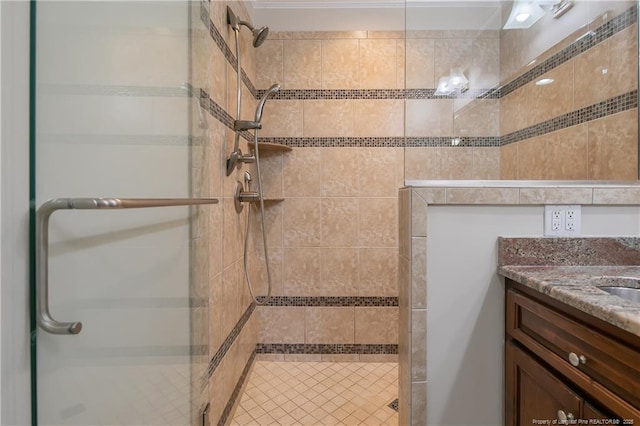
(242, 125)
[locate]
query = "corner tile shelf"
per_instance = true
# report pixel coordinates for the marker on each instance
(271, 147)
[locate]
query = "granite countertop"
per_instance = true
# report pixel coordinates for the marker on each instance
(570, 270)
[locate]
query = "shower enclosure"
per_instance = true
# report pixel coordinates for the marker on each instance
(112, 106)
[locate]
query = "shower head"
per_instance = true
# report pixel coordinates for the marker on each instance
(259, 35)
(269, 93)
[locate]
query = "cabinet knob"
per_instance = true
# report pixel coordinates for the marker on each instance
(576, 360)
(564, 418)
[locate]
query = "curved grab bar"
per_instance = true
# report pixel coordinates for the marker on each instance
(45, 320)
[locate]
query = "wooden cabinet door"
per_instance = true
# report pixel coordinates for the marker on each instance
(533, 393)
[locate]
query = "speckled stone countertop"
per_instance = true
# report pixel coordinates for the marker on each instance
(570, 270)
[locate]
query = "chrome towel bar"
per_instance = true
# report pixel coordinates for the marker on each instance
(45, 321)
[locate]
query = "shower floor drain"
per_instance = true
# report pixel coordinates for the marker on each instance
(393, 404)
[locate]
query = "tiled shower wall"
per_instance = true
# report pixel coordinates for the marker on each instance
(584, 125)
(333, 240)
(225, 324)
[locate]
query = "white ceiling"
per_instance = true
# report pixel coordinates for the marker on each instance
(380, 15)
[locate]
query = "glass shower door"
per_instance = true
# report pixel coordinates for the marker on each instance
(112, 111)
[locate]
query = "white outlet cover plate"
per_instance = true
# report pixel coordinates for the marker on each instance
(564, 230)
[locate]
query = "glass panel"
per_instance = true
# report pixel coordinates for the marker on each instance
(548, 92)
(113, 120)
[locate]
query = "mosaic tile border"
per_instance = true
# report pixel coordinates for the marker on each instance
(394, 404)
(342, 142)
(600, 34)
(220, 114)
(453, 141)
(386, 94)
(611, 106)
(228, 342)
(340, 301)
(327, 349)
(224, 417)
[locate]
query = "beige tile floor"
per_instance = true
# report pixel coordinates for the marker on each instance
(319, 393)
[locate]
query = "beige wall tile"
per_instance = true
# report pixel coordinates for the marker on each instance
(419, 273)
(378, 64)
(623, 61)
(340, 358)
(377, 171)
(215, 318)
(418, 404)
(281, 324)
(302, 64)
(340, 172)
(484, 72)
(419, 345)
(616, 196)
(553, 99)
(339, 271)
(452, 53)
(270, 64)
(430, 196)
(514, 114)
(509, 161)
(556, 196)
(339, 222)
(479, 118)
(328, 118)
(456, 163)
(400, 63)
(532, 159)
(592, 76)
(420, 63)
(418, 215)
(271, 171)
(378, 117)
(613, 147)
(301, 272)
(378, 358)
(232, 237)
(282, 119)
(340, 64)
(486, 163)
(404, 222)
(270, 357)
(259, 278)
(377, 222)
(482, 195)
(376, 325)
(422, 163)
(329, 325)
(303, 357)
(429, 117)
(567, 154)
(301, 222)
(378, 272)
(301, 175)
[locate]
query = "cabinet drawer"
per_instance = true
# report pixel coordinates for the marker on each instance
(607, 361)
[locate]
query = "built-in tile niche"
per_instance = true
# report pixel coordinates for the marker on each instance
(583, 125)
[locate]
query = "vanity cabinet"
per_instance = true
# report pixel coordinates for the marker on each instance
(562, 364)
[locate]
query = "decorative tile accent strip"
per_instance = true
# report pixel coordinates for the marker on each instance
(236, 391)
(579, 46)
(394, 404)
(611, 106)
(330, 301)
(453, 141)
(226, 345)
(326, 142)
(312, 94)
(325, 348)
(222, 45)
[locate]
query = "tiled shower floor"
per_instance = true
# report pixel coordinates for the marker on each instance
(319, 393)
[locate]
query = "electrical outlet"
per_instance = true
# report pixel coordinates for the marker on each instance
(562, 221)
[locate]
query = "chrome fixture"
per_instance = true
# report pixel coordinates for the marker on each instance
(241, 125)
(525, 13)
(259, 35)
(241, 196)
(45, 320)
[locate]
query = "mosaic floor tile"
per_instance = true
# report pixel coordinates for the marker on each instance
(318, 394)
